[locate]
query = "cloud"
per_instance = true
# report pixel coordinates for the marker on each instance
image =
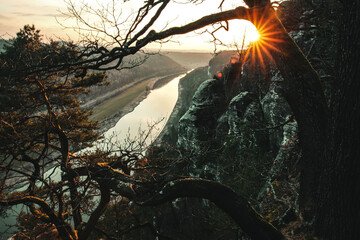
(23, 14)
(29, 14)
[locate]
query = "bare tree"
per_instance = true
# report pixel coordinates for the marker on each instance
(302, 85)
(302, 90)
(60, 202)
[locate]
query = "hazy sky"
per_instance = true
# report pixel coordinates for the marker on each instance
(14, 14)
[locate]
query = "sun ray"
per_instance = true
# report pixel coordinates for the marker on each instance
(268, 39)
(246, 55)
(259, 54)
(269, 33)
(273, 48)
(264, 25)
(268, 54)
(253, 56)
(262, 50)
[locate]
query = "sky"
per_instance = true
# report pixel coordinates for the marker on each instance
(46, 15)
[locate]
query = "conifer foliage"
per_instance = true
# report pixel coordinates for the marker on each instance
(41, 122)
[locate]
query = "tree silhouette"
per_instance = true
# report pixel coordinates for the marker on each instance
(323, 177)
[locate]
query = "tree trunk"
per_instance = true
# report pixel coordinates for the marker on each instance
(304, 93)
(338, 215)
(223, 197)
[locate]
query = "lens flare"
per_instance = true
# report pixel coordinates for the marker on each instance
(269, 36)
(253, 36)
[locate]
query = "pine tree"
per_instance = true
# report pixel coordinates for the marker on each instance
(41, 121)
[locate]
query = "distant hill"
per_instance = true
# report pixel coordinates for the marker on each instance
(189, 59)
(156, 66)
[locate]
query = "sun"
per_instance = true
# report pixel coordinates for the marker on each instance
(265, 41)
(252, 36)
(243, 32)
(238, 35)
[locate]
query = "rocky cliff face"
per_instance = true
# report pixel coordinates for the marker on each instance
(198, 124)
(239, 130)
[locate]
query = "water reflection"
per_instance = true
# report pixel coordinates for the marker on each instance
(151, 112)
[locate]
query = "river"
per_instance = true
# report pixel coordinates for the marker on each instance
(153, 111)
(156, 107)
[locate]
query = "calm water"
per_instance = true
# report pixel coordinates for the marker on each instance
(152, 111)
(157, 107)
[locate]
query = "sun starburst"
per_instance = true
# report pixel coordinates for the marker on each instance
(262, 48)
